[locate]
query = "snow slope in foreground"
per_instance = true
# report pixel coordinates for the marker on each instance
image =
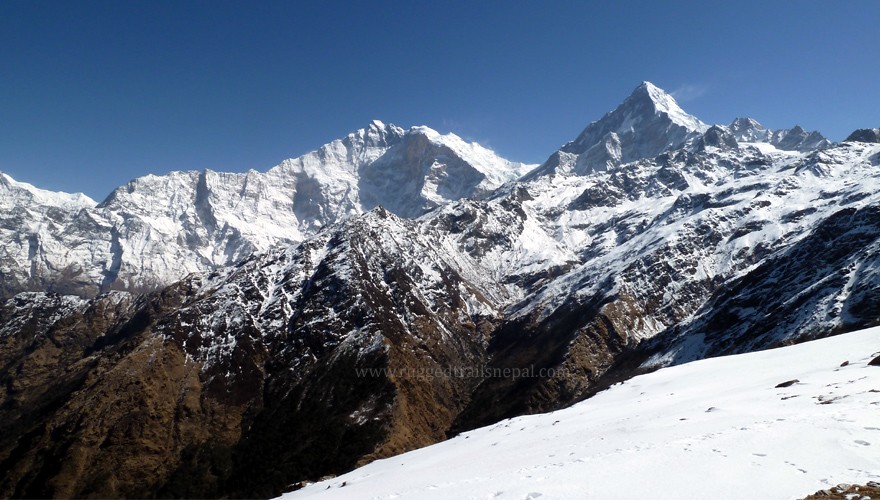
(716, 428)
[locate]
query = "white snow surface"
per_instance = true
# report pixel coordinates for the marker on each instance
(26, 194)
(717, 428)
(665, 103)
(158, 228)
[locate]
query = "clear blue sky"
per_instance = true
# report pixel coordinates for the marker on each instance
(94, 93)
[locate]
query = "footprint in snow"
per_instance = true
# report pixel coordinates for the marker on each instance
(533, 494)
(802, 471)
(863, 443)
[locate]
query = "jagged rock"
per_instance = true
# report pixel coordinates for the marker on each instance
(865, 135)
(749, 130)
(716, 137)
(793, 139)
(848, 492)
(798, 139)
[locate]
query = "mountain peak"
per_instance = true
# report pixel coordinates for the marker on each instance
(749, 130)
(745, 122)
(663, 102)
(41, 196)
(655, 93)
(648, 90)
(864, 135)
(377, 134)
(647, 123)
(380, 127)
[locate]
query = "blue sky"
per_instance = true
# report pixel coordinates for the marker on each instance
(94, 93)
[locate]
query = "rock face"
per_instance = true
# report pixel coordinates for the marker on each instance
(865, 135)
(798, 139)
(157, 229)
(845, 491)
(715, 137)
(380, 333)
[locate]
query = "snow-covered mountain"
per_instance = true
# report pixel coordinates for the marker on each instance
(719, 428)
(865, 135)
(30, 218)
(157, 229)
(380, 333)
(649, 122)
(706, 252)
(793, 139)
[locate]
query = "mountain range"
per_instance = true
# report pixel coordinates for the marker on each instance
(208, 334)
(157, 229)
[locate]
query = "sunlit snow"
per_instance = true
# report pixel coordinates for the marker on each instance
(717, 428)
